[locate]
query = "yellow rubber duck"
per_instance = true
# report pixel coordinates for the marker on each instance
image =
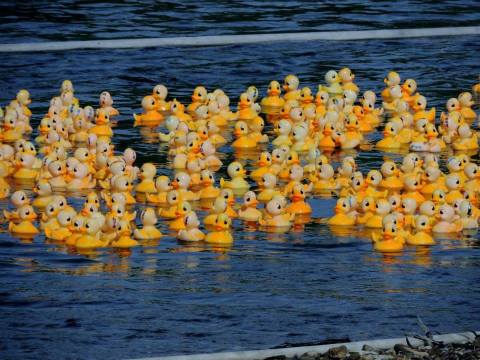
(290, 85)
(321, 100)
(382, 208)
(392, 79)
(333, 80)
(454, 186)
(467, 139)
(162, 187)
(468, 219)
(183, 208)
(419, 105)
(147, 174)
(343, 216)
(106, 103)
(160, 93)
(326, 141)
(390, 173)
(18, 199)
(263, 165)
(181, 183)
(208, 190)
(246, 109)
(472, 173)
(191, 231)
(324, 179)
(219, 207)
(346, 79)
(24, 167)
(276, 216)
(466, 103)
(249, 212)
(409, 87)
(283, 130)
(199, 97)
(222, 234)
(150, 117)
(390, 138)
(25, 226)
(298, 204)
(390, 240)
(102, 125)
(367, 210)
(422, 236)
(432, 179)
(445, 220)
(64, 218)
(124, 240)
(173, 198)
(244, 140)
(237, 174)
(148, 230)
(267, 188)
(306, 97)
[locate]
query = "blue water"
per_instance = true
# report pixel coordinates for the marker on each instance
(307, 285)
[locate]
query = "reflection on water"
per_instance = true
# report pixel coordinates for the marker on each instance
(166, 297)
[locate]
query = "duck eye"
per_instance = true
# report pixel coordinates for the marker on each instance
(87, 226)
(279, 207)
(376, 206)
(225, 222)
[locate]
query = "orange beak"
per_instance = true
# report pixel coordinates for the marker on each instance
(297, 198)
(218, 228)
(175, 184)
(262, 163)
(274, 92)
(196, 149)
(237, 132)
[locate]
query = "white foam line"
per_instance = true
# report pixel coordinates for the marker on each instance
(239, 39)
(298, 351)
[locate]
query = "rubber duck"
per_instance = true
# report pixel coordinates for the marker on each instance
(422, 236)
(122, 184)
(26, 215)
(178, 223)
(162, 187)
(147, 175)
(276, 216)
(256, 128)
(419, 105)
(467, 217)
(171, 124)
(390, 138)
(343, 216)
(215, 114)
(283, 129)
(472, 173)
(290, 85)
(333, 80)
(208, 189)
(160, 93)
(237, 174)
(326, 141)
(106, 103)
(173, 198)
(306, 98)
(409, 87)
(102, 125)
(298, 204)
(249, 212)
(382, 208)
(392, 79)
(224, 103)
(263, 165)
(321, 100)
(64, 218)
(367, 210)
(390, 241)
(301, 141)
(191, 231)
(244, 140)
(454, 186)
(81, 179)
(411, 188)
(24, 167)
(177, 109)
(246, 109)
(390, 176)
(214, 135)
(199, 97)
(219, 207)
(194, 168)
(268, 189)
(181, 183)
(124, 239)
(433, 179)
(446, 223)
(18, 199)
(324, 179)
(466, 103)
(4, 185)
(467, 139)
(150, 117)
(278, 161)
(408, 209)
(222, 234)
(148, 230)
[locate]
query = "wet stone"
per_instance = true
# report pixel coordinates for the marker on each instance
(339, 352)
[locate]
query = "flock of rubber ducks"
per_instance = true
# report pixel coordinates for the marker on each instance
(403, 203)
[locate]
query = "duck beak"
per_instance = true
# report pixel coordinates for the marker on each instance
(262, 163)
(274, 92)
(218, 228)
(296, 197)
(237, 132)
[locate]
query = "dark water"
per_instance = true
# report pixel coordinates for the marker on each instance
(165, 298)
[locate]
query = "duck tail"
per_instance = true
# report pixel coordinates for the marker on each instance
(137, 120)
